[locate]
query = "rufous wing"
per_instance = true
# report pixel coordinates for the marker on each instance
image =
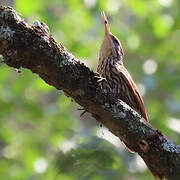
(136, 100)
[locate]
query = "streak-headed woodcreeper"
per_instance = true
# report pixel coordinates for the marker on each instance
(118, 81)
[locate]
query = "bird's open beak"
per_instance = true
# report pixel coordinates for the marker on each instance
(105, 21)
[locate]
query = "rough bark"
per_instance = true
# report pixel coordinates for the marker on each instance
(32, 47)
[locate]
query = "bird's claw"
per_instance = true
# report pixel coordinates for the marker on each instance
(84, 111)
(99, 78)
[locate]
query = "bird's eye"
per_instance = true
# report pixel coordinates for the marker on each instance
(105, 22)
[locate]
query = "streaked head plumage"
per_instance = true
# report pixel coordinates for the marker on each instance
(111, 45)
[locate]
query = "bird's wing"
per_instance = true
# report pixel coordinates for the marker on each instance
(137, 101)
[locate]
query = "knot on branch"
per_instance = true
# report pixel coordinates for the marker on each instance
(144, 146)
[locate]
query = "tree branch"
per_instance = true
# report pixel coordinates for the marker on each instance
(33, 47)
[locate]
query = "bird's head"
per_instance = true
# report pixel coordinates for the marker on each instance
(111, 46)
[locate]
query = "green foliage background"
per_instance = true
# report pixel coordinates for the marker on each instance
(43, 137)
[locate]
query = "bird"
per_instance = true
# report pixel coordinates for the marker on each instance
(118, 80)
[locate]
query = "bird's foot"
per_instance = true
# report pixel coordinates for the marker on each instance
(99, 78)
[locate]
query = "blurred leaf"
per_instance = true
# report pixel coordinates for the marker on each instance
(28, 7)
(162, 25)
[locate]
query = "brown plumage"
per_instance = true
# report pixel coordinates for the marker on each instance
(118, 80)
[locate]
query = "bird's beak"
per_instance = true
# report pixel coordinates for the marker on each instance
(106, 24)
